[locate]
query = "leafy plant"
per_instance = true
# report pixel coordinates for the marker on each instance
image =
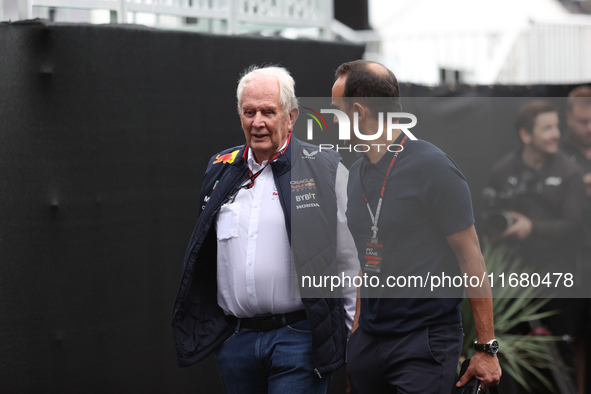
(521, 356)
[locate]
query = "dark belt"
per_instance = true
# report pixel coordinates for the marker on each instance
(267, 322)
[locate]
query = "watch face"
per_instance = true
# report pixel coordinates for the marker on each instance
(494, 347)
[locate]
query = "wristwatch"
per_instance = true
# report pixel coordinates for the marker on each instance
(491, 346)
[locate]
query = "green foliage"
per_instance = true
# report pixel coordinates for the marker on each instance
(521, 356)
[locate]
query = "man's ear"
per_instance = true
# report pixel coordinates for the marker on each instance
(525, 136)
(361, 109)
(293, 116)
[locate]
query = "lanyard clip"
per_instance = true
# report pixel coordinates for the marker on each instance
(247, 184)
(374, 239)
(233, 196)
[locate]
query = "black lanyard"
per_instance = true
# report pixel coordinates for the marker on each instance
(375, 218)
(251, 177)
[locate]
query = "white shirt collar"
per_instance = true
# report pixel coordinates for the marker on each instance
(252, 163)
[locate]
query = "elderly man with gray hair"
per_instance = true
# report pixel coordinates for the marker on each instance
(236, 296)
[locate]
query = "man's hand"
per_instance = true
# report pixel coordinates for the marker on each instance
(587, 180)
(521, 229)
(485, 367)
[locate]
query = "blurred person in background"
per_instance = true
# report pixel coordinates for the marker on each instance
(577, 145)
(543, 193)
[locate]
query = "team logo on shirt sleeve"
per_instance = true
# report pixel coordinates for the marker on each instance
(227, 158)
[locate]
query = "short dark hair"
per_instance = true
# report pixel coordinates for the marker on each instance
(526, 116)
(580, 95)
(363, 81)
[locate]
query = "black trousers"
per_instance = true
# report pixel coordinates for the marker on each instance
(422, 361)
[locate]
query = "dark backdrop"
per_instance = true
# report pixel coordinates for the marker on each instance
(105, 132)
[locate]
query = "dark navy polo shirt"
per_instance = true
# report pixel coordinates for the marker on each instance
(426, 199)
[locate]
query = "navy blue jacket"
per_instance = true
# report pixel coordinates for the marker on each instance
(199, 324)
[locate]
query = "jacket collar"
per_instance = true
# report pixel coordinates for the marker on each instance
(281, 165)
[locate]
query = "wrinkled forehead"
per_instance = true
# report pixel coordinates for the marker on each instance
(582, 107)
(261, 90)
(546, 118)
